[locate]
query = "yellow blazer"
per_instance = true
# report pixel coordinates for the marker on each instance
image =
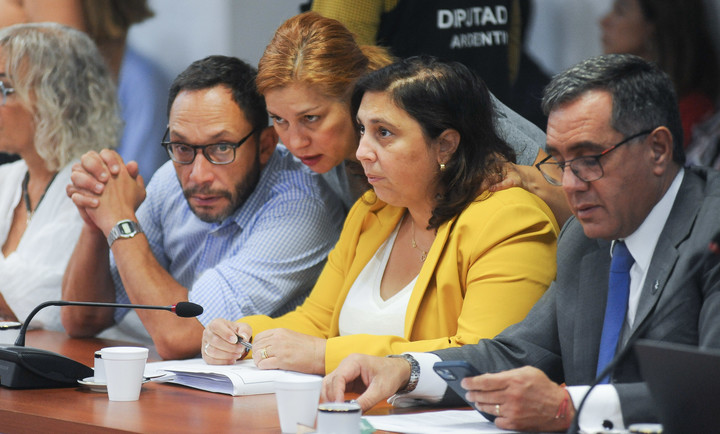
(486, 268)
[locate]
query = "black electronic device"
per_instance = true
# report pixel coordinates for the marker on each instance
(684, 382)
(22, 367)
(453, 371)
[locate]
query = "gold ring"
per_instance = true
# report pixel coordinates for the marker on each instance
(264, 353)
(497, 410)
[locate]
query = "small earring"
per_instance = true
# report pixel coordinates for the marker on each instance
(442, 167)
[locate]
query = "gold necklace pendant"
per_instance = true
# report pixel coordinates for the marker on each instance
(423, 253)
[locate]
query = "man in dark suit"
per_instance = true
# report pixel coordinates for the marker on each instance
(615, 139)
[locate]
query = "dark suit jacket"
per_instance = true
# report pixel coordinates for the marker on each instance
(561, 334)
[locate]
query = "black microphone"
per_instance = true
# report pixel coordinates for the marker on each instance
(184, 309)
(713, 250)
(31, 368)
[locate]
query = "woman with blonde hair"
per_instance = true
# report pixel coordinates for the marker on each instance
(58, 102)
(307, 74)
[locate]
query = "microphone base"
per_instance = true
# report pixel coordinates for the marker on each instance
(32, 368)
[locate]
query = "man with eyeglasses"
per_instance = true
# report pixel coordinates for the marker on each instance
(232, 222)
(628, 266)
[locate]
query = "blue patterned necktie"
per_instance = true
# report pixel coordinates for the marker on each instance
(617, 302)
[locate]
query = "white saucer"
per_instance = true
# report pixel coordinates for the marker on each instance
(94, 386)
(90, 383)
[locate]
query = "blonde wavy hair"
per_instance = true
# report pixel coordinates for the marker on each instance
(318, 51)
(59, 75)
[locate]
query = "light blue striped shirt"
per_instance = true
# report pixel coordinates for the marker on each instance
(263, 259)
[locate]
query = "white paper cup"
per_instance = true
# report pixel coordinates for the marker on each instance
(124, 367)
(99, 368)
(9, 336)
(339, 418)
(297, 401)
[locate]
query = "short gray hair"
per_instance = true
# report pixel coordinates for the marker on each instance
(643, 96)
(59, 75)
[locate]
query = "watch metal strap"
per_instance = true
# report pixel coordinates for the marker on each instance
(118, 232)
(414, 372)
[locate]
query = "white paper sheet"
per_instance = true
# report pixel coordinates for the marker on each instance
(446, 421)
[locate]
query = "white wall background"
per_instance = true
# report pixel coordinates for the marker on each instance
(564, 32)
(183, 31)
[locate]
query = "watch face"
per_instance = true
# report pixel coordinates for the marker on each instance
(126, 228)
(123, 229)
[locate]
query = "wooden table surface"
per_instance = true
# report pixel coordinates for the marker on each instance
(161, 407)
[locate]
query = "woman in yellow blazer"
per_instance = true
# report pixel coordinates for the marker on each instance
(489, 256)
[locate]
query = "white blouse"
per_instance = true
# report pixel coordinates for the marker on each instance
(33, 273)
(364, 311)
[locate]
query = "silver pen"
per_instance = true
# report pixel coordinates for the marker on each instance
(247, 345)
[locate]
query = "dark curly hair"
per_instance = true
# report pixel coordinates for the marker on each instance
(442, 96)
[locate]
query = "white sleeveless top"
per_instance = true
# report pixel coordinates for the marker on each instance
(364, 311)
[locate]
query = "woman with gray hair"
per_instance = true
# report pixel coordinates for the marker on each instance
(57, 101)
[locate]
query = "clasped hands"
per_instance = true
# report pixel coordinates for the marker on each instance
(272, 349)
(105, 189)
(523, 398)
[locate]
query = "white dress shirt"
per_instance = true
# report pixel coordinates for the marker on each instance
(603, 404)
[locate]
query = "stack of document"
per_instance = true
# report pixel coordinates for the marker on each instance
(242, 378)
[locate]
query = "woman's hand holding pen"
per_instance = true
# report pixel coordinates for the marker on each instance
(220, 342)
(287, 349)
(273, 349)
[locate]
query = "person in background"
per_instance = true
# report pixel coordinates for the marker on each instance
(307, 74)
(232, 223)
(57, 102)
(675, 36)
(67, 12)
(428, 258)
(19, 11)
(627, 266)
(142, 85)
(486, 35)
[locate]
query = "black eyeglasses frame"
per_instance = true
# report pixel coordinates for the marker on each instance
(595, 157)
(204, 148)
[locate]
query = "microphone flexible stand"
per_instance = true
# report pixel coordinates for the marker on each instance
(20, 341)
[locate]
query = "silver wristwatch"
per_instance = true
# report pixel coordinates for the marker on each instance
(123, 229)
(414, 372)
